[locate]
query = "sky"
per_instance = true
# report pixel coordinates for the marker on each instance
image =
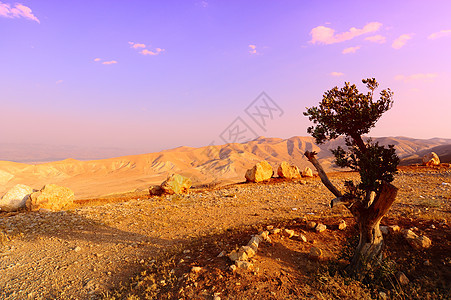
(152, 75)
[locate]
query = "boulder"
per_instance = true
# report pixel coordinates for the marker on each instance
(176, 184)
(307, 172)
(155, 190)
(52, 197)
(15, 198)
(288, 171)
(417, 242)
(260, 172)
(431, 159)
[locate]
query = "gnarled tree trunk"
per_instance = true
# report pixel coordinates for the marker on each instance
(368, 219)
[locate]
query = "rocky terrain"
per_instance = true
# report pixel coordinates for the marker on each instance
(212, 164)
(134, 246)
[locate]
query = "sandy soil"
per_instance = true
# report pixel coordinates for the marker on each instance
(87, 251)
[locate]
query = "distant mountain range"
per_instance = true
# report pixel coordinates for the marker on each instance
(223, 163)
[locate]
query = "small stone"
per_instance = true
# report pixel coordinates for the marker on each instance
(302, 238)
(427, 263)
(432, 226)
(244, 264)
(265, 236)
(311, 225)
(248, 250)
(241, 255)
(342, 225)
(382, 295)
(269, 227)
(320, 228)
(233, 268)
(315, 253)
(402, 278)
(394, 228)
(186, 251)
(221, 254)
(77, 249)
(216, 298)
(288, 233)
(196, 269)
(275, 231)
(384, 229)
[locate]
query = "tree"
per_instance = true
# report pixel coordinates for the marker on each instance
(347, 112)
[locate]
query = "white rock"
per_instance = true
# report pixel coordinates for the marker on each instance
(288, 233)
(262, 171)
(384, 229)
(342, 225)
(15, 198)
(320, 228)
(307, 172)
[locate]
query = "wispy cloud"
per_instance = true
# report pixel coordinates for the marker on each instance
(401, 41)
(327, 35)
(253, 49)
(17, 11)
(59, 81)
(110, 62)
(380, 39)
(150, 52)
(336, 74)
(417, 77)
(350, 50)
(136, 45)
(145, 51)
(440, 34)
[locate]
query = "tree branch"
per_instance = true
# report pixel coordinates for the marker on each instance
(311, 157)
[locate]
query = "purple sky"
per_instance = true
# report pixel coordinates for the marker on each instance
(152, 75)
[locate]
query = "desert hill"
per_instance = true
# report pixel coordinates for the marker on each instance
(223, 163)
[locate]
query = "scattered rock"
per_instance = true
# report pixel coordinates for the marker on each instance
(288, 171)
(311, 225)
(244, 265)
(320, 227)
(302, 238)
(262, 171)
(237, 255)
(15, 198)
(52, 197)
(431, 159)
(402, 278)
(394, 228)
(342, 225)
(196, 269)
(250, 252)
(276, 231)
(288, 233)
(315, 253)
(176, 184)
(307, 172)
(233, 268)
(382, 295)
(417, 242)
(77, 249)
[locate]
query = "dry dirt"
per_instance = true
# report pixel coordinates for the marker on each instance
(135, 247)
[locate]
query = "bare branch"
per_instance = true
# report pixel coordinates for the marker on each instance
(311, 157)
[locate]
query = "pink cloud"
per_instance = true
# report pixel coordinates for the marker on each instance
(109, 62)
(18, 11)
(350, 50)
(137, 45)
(376, 39)
(97, 59)
(327, 35)
(401, 41)
(150, 52)
(440, 34)
(336, 74)
(253, 49)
